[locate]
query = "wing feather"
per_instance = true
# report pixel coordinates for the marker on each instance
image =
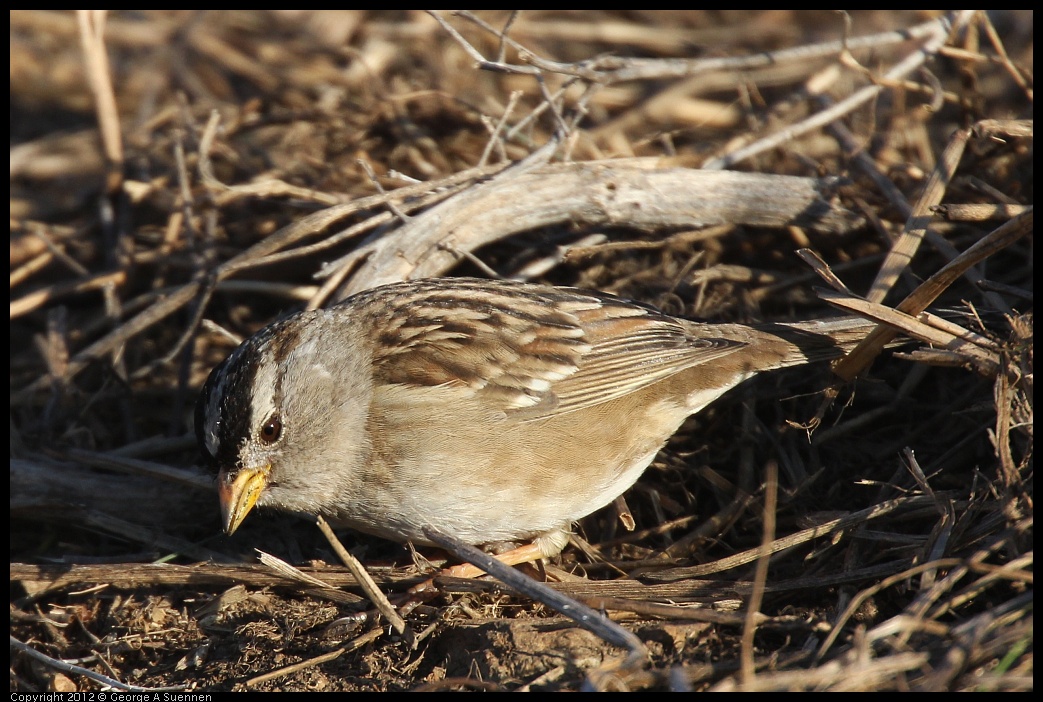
(524, 348)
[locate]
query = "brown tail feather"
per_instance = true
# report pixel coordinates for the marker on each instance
(821, 339)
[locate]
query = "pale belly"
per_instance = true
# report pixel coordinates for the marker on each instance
(519, 481)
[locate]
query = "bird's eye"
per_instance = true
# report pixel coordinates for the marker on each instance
(271, 430)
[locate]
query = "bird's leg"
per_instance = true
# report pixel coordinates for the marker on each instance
(529, 553)
(543, 546)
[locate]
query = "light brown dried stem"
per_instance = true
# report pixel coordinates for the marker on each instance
(933, 42)
(785, 542)
(353, 645)
(771, 491)
(99, 76)
(855, 362)
(980, 352)
(638, 193)
(378, 598)
(905, 246)
(607, 70)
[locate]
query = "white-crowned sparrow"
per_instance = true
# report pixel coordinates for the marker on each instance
(493, 411)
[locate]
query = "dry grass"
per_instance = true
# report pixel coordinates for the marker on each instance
(179, 179)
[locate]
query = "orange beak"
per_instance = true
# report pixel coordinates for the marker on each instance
(239, 495)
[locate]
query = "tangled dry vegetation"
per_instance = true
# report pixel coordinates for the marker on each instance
(179, 179)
